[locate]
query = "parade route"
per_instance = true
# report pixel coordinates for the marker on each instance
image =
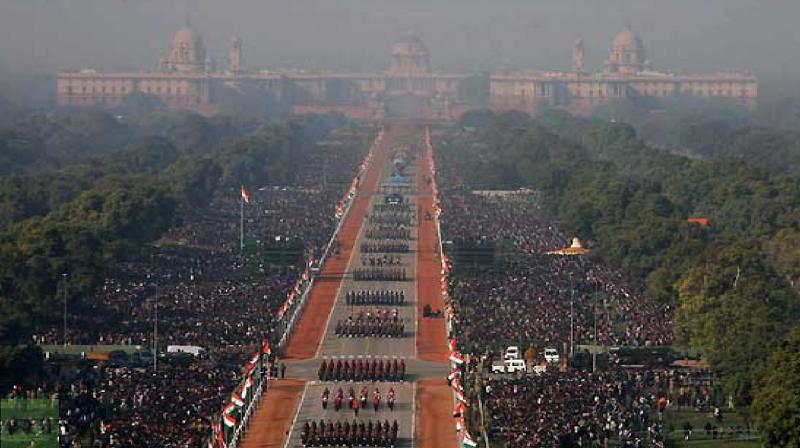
(423, 394)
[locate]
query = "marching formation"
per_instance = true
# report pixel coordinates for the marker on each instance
(362, 370)
(384, 260)
(380, 297)
(372, 323)
(360, 402)
(380, 274)
(384, 232)
(385, 247)
(346, 434)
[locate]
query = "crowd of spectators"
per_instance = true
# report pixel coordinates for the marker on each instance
(509, 285)
(205, 291)
(575, 408)
(525, 295)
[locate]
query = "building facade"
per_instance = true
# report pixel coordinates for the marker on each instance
(627, 74)
(187, 78)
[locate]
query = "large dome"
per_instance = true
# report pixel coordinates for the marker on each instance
(627, 53)
(409, 44)
(627, 39)
(188, 52)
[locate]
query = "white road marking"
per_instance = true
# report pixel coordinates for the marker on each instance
(413, 412)
(296, 414)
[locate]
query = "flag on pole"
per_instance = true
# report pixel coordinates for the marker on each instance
(454, 374)
(459, 410)
(456, 358)
(229, 421)
(245, 195)
(230, 407)
(468, 442)
(237, 399)
(452, 345)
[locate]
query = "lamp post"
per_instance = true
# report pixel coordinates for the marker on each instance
(574, 250)
(64, 287)
(155, 322)
(155, 333)
(596, 344)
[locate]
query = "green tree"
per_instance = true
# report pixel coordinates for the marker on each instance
(776, 405)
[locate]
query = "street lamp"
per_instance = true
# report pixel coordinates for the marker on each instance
(155, 323)
(574, 250)
(64, 287)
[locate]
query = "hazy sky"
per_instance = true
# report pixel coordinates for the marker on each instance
(467, 35)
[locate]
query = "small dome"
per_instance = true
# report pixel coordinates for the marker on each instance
(189, 37)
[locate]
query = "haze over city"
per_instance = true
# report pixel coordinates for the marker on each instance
(464, 35)
(399, 224)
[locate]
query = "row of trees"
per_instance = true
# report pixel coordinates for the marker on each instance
(767, 137)
(83, 218)
(731, 282)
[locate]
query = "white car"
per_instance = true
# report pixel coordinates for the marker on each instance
(508, 366)
(498, 367)
(551, 355)
(515, 365)
(512, 352)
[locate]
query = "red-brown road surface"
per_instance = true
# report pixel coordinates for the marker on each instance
(310, 327)
(435, 423)
(434, 407)
(432, 337)
(272, 420)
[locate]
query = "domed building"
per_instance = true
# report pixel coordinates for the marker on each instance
(188, 52)
(187, 78)
(410, 57)
(627, 53)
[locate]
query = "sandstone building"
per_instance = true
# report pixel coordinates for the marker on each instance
(187, 78)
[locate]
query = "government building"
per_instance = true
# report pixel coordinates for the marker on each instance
(188, 78)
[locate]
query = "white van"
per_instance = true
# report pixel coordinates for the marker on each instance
(551, 355)
(515, 365)
(512, 352)
(191, 349)
(508, 366)
(498, 366)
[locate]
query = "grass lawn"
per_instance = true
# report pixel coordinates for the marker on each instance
(676, 419)
(36, 409)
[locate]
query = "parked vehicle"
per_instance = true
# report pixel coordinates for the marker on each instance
(512, 352)
(551, 355)
(190, 349)
(509, 366)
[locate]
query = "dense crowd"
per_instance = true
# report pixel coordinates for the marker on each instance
(200, 289)
(575, 409)
(509, 284)
(526, 296)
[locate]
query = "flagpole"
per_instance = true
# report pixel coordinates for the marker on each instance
(241, 224)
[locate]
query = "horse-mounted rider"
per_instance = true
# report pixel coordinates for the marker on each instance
(376, 399)
(325, 395)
